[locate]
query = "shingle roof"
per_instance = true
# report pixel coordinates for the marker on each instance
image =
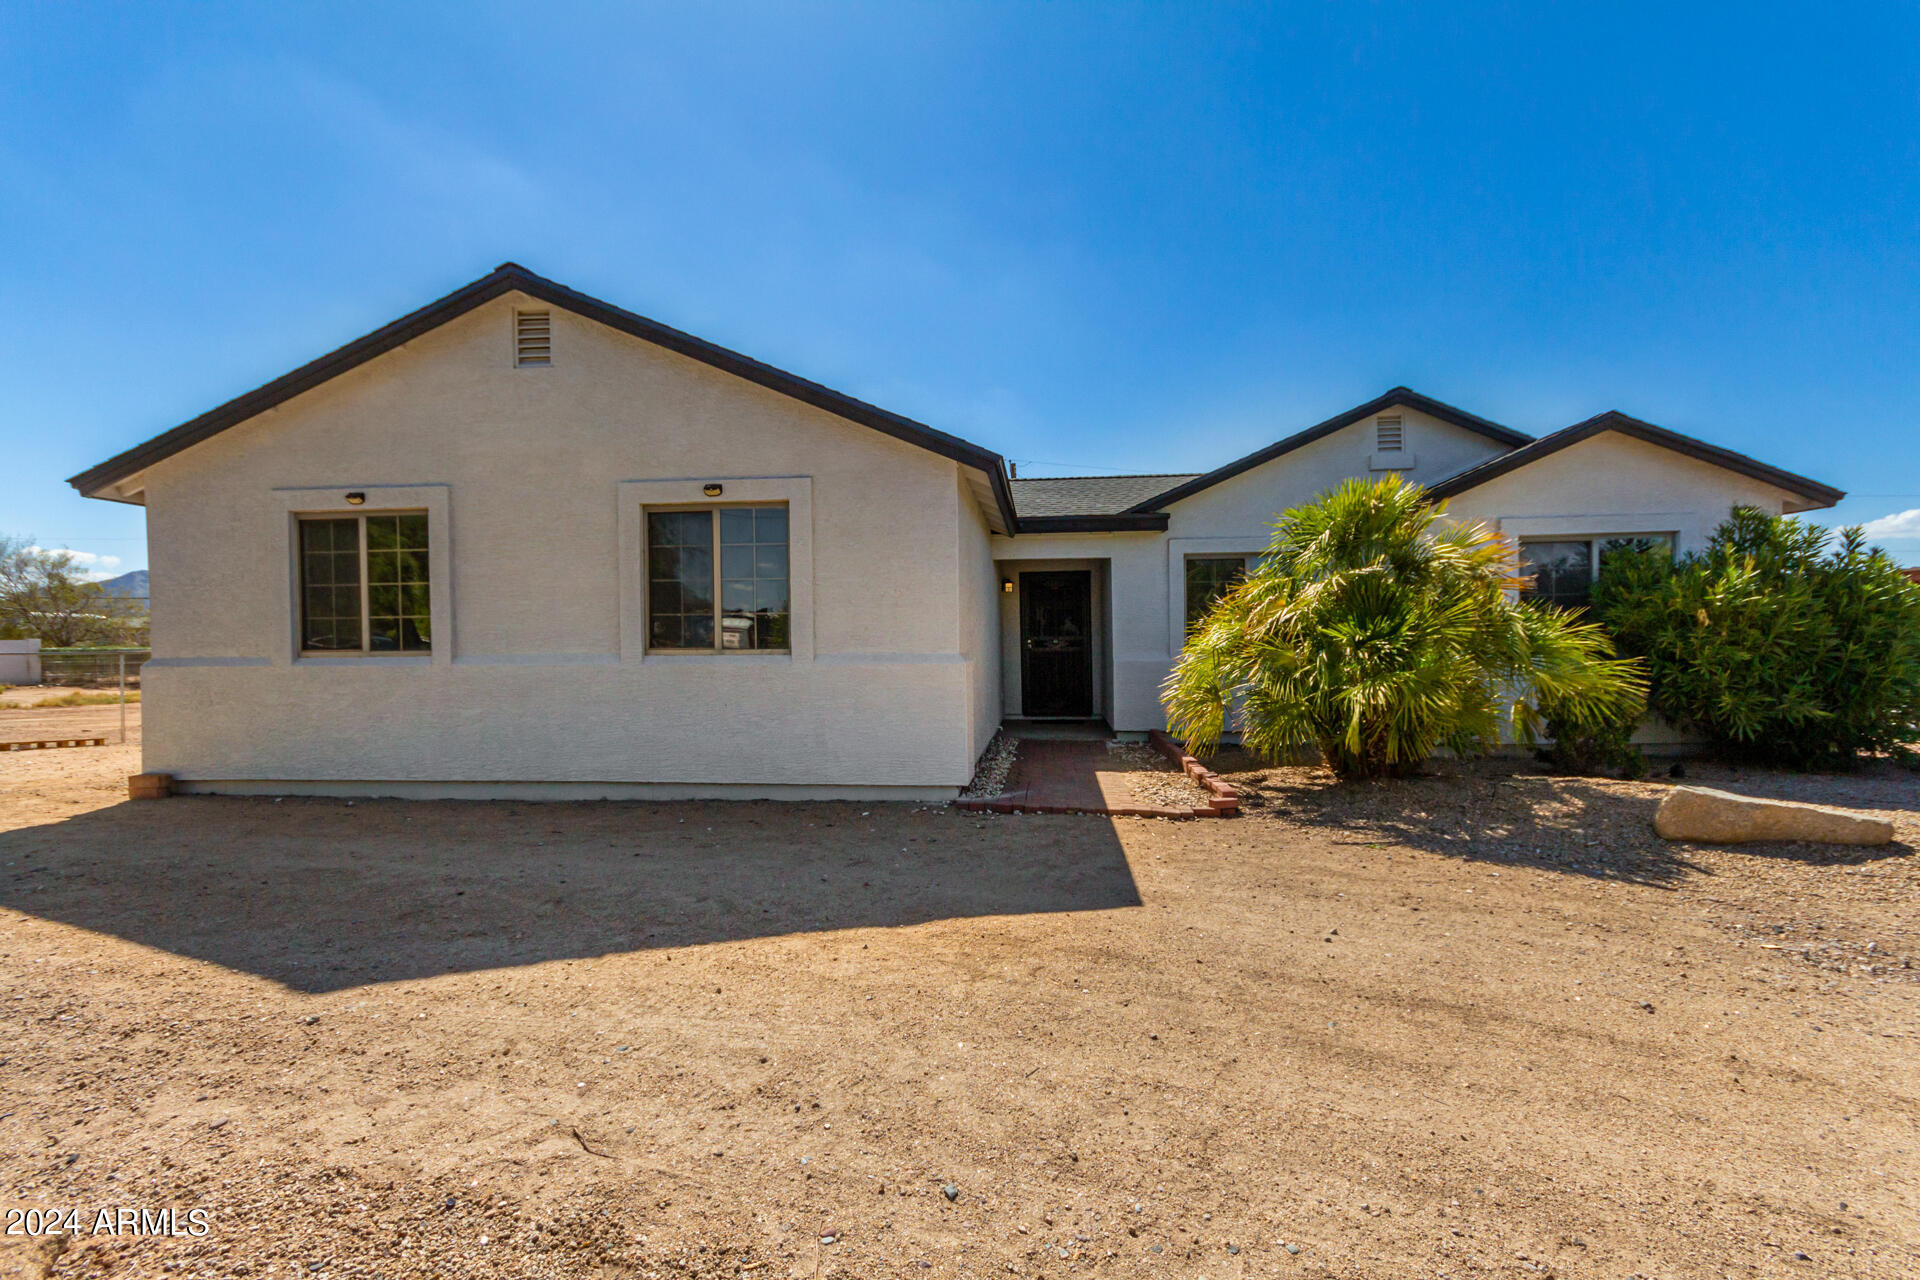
(1087, 495)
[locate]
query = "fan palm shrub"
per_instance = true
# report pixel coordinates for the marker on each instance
(1379, 631)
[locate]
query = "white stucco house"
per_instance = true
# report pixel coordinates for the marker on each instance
(522, 542)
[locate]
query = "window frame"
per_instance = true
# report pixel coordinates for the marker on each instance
(635, 497)
(366, 650)
(281, 528)
(1186, 569)
(1594, 542)
(717, 648)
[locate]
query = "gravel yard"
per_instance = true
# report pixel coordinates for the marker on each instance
(1479, 1023)
(1154, 779)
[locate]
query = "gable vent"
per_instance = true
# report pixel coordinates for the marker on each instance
(532, 338)
(1390, 433)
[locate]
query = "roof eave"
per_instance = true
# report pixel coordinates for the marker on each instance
(510, 278)
(1816, 494)
(288, 385)
(1403, 396)
(1122, 522)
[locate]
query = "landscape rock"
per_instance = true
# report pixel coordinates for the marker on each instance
(1720, 817)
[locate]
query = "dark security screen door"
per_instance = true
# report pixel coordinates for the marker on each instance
(1056, 644)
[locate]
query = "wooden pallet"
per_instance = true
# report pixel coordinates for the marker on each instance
(45, 743)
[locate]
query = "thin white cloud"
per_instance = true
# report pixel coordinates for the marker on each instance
(1901, 525)
(92, 566)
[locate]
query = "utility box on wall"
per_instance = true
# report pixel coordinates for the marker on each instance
(19, 662)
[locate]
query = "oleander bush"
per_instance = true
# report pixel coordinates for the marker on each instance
(1379, 631)
(1783, 643)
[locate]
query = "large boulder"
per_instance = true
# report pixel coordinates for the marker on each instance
(1720, 817)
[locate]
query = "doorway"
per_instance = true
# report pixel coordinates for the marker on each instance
(1056, 644)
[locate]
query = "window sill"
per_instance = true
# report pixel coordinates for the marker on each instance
(364, 660)
(753, 657)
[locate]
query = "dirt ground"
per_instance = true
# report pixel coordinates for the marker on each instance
(25, 723)
(1481, 1023)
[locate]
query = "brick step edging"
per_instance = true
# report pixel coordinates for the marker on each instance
(1221, 798)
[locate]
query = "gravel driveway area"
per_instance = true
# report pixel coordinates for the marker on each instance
(1480, 1023)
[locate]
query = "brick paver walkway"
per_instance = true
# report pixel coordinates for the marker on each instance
(1063, 776)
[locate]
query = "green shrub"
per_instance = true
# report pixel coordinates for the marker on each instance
(1593, 739)
(1378, 632)
(1781, 643)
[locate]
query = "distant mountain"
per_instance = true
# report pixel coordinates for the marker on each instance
(128, 584)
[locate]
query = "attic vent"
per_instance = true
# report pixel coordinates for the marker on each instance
(532, 338)
(1390, 433)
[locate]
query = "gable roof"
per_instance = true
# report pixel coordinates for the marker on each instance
(1816, 494)
(1401, 396)
(510, 277)
(1089, 504)
(1087, 495)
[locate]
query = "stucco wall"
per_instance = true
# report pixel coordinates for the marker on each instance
(1607, 484)
(979, 590)
(1613, 483)
(534, 683)
(1146, 577)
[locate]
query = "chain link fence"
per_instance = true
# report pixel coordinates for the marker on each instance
(91, 668)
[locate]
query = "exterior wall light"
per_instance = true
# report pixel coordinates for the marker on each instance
(1006, 585)
(355, 498)
(711, 490)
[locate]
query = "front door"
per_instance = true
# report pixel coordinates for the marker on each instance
(1056, 643)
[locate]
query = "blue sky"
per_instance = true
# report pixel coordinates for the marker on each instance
(1092, 237)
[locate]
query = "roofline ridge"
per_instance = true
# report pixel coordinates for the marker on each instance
(1126, 475)
(1401, 395)
(509, 277)
(1650, 432)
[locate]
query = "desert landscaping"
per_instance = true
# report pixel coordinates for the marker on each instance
(1481, 1022)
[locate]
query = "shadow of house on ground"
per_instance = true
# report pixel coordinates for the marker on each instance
(1509, 814)
(325, 894)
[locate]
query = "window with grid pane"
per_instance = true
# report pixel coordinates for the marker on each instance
(1563, 569)
(717, 579)
(1209, 578)
(397, 615)
(364, 584)
(330, 586)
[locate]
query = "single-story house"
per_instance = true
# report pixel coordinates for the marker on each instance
(523, 542)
